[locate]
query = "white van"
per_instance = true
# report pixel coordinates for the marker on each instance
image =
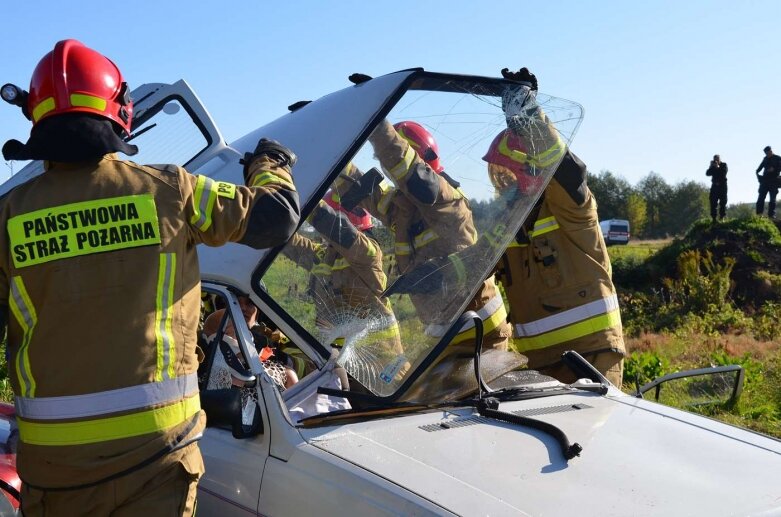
(615, 231)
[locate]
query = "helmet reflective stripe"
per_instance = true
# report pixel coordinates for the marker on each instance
(551, 155)
(43, 107)
(164, 304)
(544, 159)
(24, 312)
(409, 140)
(567, 325)
(89, 101)
(111, 428)
(73, 78)
(422, 142)
(492, 313)
(513, 154)
(107, 402)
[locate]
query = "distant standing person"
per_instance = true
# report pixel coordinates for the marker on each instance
(768, 182)
(718, 188)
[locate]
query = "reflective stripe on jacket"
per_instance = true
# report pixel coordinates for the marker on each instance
(101, 276)
(492, 313)
(559, 284)
(426, 229)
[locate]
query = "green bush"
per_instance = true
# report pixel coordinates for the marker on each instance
(6, 393)
(767, 325)
(643, 367)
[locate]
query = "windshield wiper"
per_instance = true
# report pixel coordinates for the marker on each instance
(488, 406)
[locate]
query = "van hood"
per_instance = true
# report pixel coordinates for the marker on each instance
(638, 458)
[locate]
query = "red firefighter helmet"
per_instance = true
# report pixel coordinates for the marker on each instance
(508, 163)
(422, 141)
(73, 78)
(359, 217)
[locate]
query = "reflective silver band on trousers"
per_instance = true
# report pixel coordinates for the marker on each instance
(485, 312)
(105, 402)
(568, 317)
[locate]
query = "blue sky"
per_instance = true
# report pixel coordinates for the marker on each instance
(665, 85)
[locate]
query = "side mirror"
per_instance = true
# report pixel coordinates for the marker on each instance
(223, 409)
(720, 385)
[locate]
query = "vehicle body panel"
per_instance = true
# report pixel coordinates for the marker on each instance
(639, 458)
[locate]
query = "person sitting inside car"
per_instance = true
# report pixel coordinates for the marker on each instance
(273, 362)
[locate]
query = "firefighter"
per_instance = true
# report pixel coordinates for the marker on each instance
(431, 219)
(557, 273)
(347, 279)
(100, 273)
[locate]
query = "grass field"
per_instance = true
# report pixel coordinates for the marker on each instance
(638, 249)
(759, 407)
(696, 344)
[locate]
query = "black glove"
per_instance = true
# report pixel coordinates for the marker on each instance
(361, 188)
(521, 76)
(272, 149)
(426, 278)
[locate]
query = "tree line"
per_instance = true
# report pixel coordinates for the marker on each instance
(654, 208)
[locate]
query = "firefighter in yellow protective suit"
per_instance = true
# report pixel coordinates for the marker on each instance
(100, 290)
(557, 273)
(431, 218)
(347, 278)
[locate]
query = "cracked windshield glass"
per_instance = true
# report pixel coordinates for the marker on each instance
(414, 224)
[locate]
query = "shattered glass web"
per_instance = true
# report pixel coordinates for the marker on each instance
(463, 124)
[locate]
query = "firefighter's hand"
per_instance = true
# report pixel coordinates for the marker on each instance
(519, 101)
(274, 150)
(427, 278)
(362, 188)
(521, 76)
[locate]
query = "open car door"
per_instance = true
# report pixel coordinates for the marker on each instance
(170, 125)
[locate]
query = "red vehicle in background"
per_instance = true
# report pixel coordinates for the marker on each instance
(10, 484)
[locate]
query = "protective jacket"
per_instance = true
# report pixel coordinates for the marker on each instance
(772, 168)
(347, 277)
(431, 218)
(557, 275)
(718, 174)
(100, 272)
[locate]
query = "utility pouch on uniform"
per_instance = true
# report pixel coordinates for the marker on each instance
(546, 255)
